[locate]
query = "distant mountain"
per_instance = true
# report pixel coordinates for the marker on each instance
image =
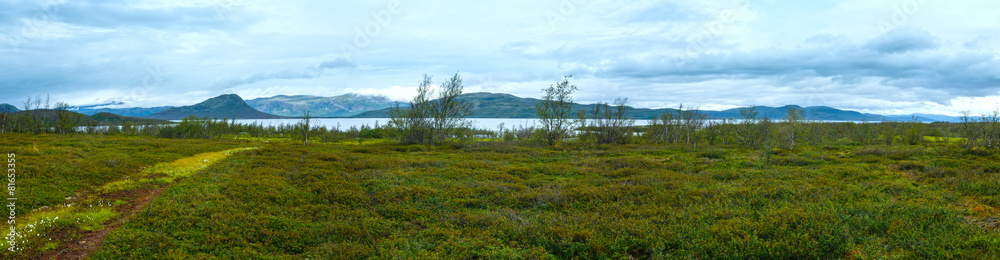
(8, 108)
(338, 106)
(490, 105)
(831, 114)
(228, 106)
(133, 112)
(98, 119)
(105, 108)
(810, 113)
(105, 118)
(927, 118)
(486, 105)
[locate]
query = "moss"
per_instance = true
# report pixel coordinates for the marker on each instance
(912, 166)
(378, 200)
(332, 201)
(65, 178)
(49, 246)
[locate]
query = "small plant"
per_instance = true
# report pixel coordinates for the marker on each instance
(714, 154)
(555, 111)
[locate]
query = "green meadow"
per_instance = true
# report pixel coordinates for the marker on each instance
(151, 198)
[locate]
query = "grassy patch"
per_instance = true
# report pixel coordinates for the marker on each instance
(498, 200)
(938, 139)
(33, 232)
(60, 178)
(168, 172)
(380, 201)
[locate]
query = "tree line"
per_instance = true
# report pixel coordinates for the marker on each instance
(40, 116)
(437, 115)
(608, 124)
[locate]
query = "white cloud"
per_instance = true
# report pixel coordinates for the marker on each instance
(709, 54)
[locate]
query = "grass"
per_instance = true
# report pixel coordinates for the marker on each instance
(939, 139)
(345, 201)
(60, 178)
(378, 200)
(164, 173)
(33, 234)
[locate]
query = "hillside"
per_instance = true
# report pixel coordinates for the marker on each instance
(98, 119)
(8, 108)
(228, 106)
(490, 105)
(133, 112)
(811, 113)
(105, 118)
(829, 114)
(487, 105)
(338, 106)
(112, 107)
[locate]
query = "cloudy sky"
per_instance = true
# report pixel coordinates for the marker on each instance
(879, 56)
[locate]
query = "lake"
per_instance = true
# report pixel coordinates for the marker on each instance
(347, 123)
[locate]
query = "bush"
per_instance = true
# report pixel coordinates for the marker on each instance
(713, 154)
(911, 166)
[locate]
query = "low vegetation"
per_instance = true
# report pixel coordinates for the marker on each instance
(832, 197)
(427, 186)
(66, 184)
(500, 200)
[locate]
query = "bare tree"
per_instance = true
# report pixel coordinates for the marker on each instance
(753, 131)
(28, 120)
(715, 131)
(412, 125)
(66, 121)
(581, 121)
(990, 129)
(969, 129)
(793, 116)
(28, 103)
(555, 111)
(305, 125)
(6, 119)
(691, 120)
(659, 128)
(448, 111)
(611, 124)
(915, 131)
(680, 127)
(888, 131)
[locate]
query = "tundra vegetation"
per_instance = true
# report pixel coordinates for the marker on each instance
(427, 186)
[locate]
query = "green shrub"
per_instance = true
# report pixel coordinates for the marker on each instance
(713, 154)
(508, 201)
(911, 166)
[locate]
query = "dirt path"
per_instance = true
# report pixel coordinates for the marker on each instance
(81, 244)
(91, 241)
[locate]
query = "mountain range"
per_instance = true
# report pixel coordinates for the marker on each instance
(103, 118)
(491, 105)
(827, 114)
(106, 108)
(8, 108)
(281, 105)
(338, 106)
(486, 105)
(228, 106)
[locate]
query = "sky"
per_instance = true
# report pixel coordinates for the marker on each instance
(873, 56)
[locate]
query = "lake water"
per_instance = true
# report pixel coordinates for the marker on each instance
(478, 123)
(347, 123)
